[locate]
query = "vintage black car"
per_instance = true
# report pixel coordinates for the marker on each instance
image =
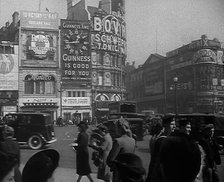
(34, 129)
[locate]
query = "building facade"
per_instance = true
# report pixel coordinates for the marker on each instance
(108, 50)
(39, 63)
(189, 79)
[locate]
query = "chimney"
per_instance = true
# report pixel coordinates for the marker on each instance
(15, 18)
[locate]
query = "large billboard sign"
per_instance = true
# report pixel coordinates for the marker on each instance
(8, 72)
(75, 50)
(39, 47)
(109, 34)
(197, 45)
(39, 20)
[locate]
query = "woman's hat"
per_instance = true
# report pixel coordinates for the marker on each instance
(6, 164)
(83, 125)
(41, 165)
(123, 123)
(130, 163)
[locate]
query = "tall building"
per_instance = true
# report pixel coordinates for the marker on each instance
(108, 50)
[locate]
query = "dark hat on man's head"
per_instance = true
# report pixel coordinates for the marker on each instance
(208, 127)
(41, 166)
(183, 121)
(167, 119)
(6, 164)
(130, 163)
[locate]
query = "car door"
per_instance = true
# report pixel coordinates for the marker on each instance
(23, 128)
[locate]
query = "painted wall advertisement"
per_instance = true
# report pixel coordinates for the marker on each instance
(8, 72)
(39, 47)
(109, 34)
(75, 50)
(39, 20)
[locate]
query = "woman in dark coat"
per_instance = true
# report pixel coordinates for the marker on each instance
(82, 153)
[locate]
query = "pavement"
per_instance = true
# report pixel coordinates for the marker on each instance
(68, 175)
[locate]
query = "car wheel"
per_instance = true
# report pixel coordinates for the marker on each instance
(35, 142)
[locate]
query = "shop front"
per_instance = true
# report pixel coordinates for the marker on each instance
(39, 105)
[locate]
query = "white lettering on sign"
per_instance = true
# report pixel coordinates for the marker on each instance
(76, 101)
(67, 57)
(110, 24)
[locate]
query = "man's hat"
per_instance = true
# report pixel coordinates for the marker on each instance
(167, 119)
(208, 127)
(130, 163)
(41, 165)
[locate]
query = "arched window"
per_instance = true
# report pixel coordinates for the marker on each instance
(29, 84)
(40, 84)
(50, 85)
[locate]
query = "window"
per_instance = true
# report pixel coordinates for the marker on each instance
(40, 84)
(29, 85)
(83, 94)
(69, 93)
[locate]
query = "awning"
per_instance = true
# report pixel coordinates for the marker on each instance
(44, 104)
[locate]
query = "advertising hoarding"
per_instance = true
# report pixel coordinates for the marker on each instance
(39, 45)
(39, 20)
(75, 50)
(75, 101)
(8, 72)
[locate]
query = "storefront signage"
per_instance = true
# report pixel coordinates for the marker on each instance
(41, 77)
(75, 52)
(8, 72)
(75, 101)
(40, 20)
(31, 100)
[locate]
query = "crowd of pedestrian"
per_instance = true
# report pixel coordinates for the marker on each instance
(178, 153)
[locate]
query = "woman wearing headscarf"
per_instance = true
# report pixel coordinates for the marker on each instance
(124, 144)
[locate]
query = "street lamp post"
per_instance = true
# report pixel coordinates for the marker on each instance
(60, 98)
(175, 80)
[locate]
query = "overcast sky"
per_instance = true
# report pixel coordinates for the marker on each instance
(152, 25)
